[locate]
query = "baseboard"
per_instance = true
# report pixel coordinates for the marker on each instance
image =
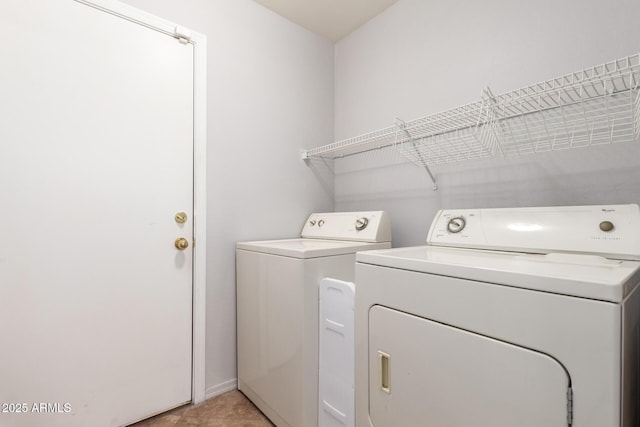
(218, 389)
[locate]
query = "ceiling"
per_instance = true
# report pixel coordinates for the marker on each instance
(332, 19)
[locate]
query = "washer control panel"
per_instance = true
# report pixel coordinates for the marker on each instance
(612, 231)
(372, 226)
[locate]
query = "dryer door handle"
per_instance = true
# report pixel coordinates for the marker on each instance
(385, 378)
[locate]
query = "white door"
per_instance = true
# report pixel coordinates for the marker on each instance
(424, 373)
(96, 155)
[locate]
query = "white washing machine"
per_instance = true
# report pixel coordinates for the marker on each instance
(277, 308)
(525, 317)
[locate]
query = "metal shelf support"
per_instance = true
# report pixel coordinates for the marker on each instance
(402, 127)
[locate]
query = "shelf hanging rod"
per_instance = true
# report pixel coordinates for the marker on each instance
(306, 156)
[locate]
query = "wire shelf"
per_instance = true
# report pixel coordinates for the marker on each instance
(463, 133)
(595, 106)
(356, 145)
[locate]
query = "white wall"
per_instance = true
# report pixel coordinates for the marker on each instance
(421, 57)
(270, 92)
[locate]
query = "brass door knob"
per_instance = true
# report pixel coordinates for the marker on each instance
(181, 243)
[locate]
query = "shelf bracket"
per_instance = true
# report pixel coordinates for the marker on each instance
(433, 179)
(402, 126)
(487, 97)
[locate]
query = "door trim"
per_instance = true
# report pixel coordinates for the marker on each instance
(199, 42)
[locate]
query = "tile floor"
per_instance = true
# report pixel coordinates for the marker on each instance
(231, 409)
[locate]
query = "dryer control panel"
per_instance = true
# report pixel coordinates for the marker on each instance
(369, 226)
(611, 231)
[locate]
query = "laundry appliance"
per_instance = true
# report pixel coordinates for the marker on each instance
(277, 308)
(525, 317)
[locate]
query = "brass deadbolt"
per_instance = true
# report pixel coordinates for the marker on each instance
(181, 217)
(606, 226)
(181, 243)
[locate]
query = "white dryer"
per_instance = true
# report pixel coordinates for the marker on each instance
(525, 317)
(277, 308)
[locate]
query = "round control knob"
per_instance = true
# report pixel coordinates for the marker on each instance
(455, 225)
(312, 222)
(361, 223)
(606, 226)
(321, 223)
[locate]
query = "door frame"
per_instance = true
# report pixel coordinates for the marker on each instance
(199, 42)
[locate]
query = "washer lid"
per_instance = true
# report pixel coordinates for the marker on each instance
(580, 275)
(309, 248)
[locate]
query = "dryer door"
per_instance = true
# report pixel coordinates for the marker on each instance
(424, 373)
